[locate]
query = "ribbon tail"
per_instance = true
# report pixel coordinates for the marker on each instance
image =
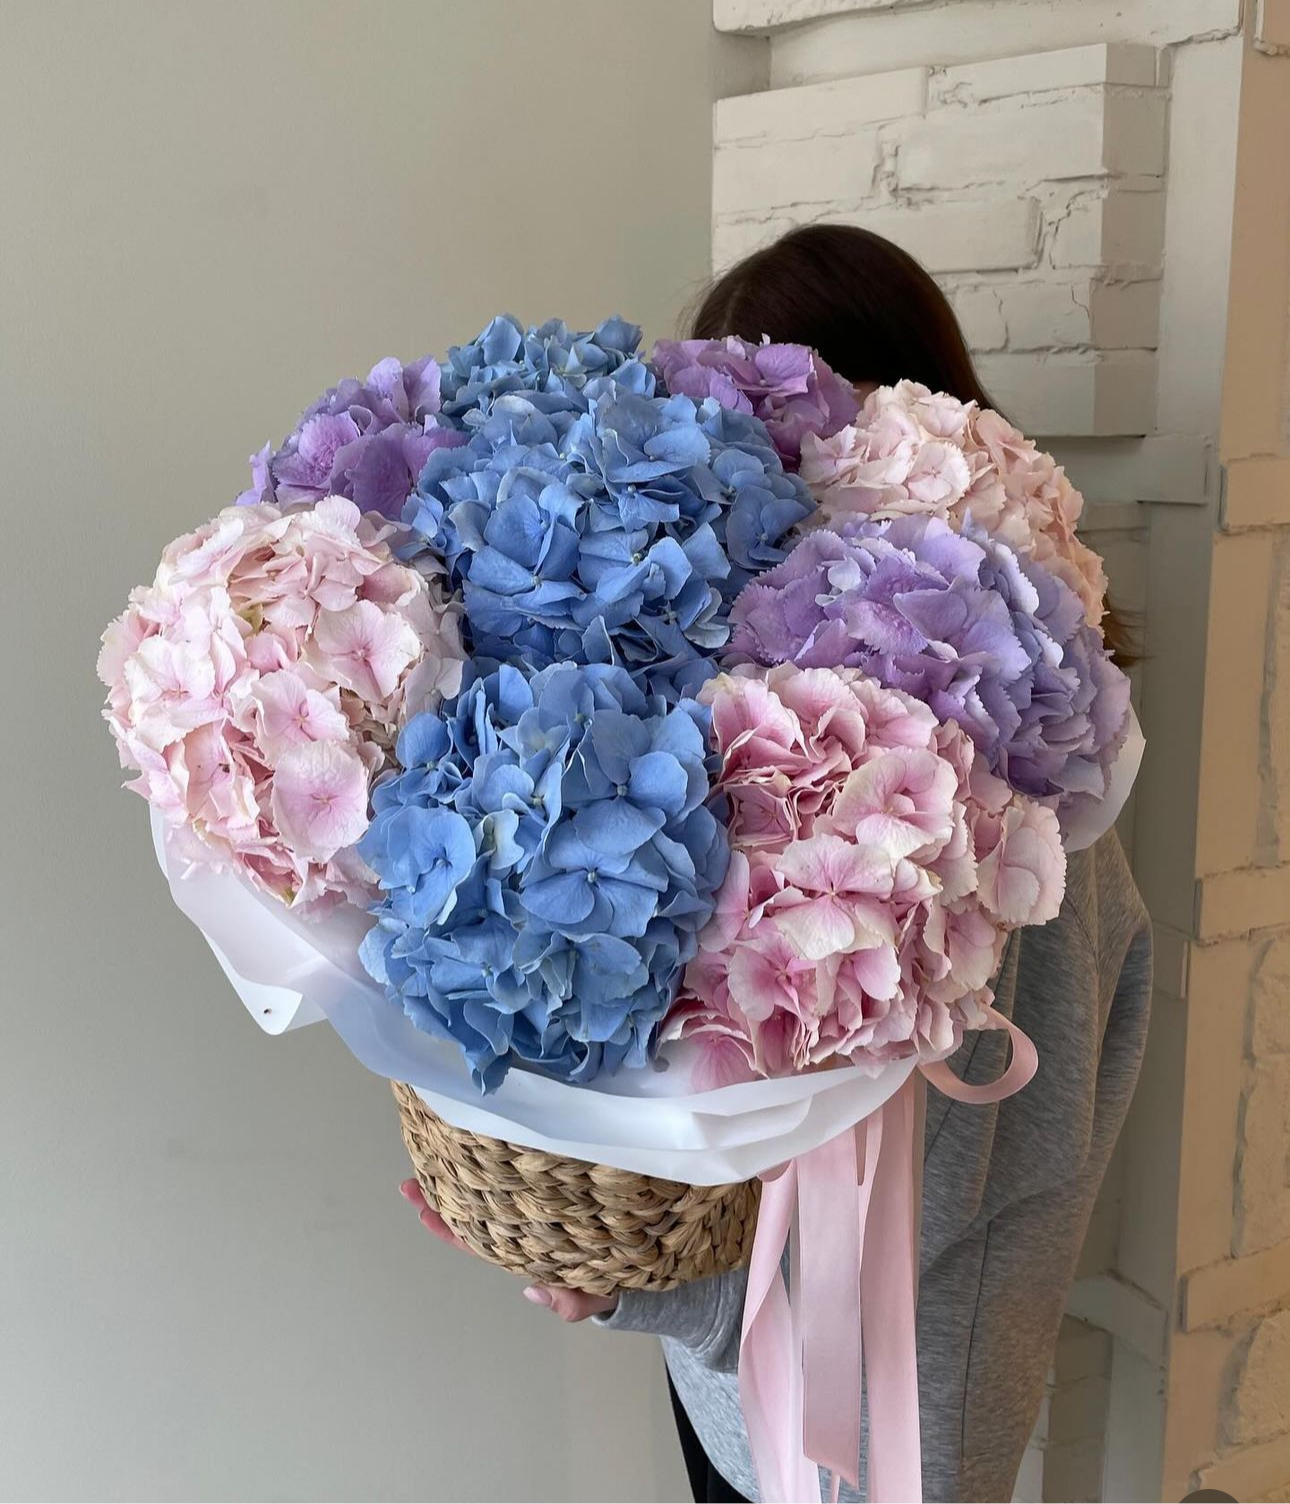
(888, 1275)
(770, 1386)
(853, 1246)
(827, 1295)
(918, 1139)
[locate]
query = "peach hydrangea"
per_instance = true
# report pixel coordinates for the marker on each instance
(258, 684)
(876, 869)
(914, 450)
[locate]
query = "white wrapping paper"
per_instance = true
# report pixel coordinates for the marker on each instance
(1094, 820)
(289, 971)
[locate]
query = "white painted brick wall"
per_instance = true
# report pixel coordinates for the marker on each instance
(1083, 392)
(983, 234)
(979, 311)
(1110, 226)
(829, 109)
(750, 15)
(1086, 133)
(1066, 312)
(784, 174)
(964, 31)
(1032, 185)
(1175, 467)
(999, 78)
(1125, 315)
(989, 234)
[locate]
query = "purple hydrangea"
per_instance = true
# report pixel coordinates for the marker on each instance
(962, 623)
(366, 440)
(788, 387)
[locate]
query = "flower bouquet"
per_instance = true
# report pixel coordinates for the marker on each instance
(641, 763)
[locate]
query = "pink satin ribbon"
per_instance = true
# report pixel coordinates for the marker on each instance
(848, 1211)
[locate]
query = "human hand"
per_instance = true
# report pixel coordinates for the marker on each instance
(568, 1305)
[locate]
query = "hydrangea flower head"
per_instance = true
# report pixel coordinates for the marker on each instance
(913, 450)
(789, 387)
(551, 363)
(547, 857)
(984, 637)
(876, 868)
(258, 683)
(364, 440)
(616, 535)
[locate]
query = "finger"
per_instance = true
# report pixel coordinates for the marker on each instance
(411, 1191)
(434, 1224)
(430, 1219)
(570, 1305)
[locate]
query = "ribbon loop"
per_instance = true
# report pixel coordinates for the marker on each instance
(1020, 1071)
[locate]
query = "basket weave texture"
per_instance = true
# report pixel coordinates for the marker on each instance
(566, 1222)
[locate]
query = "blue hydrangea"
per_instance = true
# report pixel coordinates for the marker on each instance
(547, 856)
(619, 534)
(550, 362)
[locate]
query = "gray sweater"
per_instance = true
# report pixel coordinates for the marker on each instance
(1007, 1193)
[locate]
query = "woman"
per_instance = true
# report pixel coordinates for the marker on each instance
(1007, 1190)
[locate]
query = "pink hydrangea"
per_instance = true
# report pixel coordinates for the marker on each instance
(257, 685)
(913, 450)
(876, 869)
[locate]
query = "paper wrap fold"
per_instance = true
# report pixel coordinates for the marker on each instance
(290, 971)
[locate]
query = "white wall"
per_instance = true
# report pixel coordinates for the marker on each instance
(208, 1285)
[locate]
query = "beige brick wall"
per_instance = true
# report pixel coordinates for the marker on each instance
(1237, 1300)
(1067, 171)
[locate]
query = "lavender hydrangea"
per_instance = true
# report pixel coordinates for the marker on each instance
(620, 534)
(365, 440)
(547, 857)
(984, 637)
(369, 440)
(789, 387)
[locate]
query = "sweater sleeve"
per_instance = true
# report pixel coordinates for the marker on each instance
(991, 1308)
(704, 1315)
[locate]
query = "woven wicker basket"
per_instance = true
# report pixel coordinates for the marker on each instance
(566, 1222)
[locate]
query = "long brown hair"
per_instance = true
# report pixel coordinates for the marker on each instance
(870, 310)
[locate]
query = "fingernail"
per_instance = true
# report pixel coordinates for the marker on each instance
(408, 1189)
(538, 1296)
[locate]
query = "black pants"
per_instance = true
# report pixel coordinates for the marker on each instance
(706, 1483)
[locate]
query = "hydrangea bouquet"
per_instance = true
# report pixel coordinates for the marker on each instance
(644, 759)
